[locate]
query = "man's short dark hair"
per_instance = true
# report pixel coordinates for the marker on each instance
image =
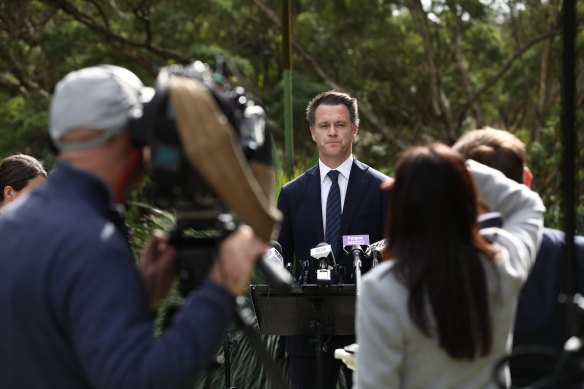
(498, 149)
(333, 98)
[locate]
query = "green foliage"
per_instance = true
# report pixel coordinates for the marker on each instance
(142, 219)
(375, 50)
(282, 178)
(304, 90)
(20, 120)
(246, 369)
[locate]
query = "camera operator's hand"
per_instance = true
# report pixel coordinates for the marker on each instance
(237, 256)
(158, 268)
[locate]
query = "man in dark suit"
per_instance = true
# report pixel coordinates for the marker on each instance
(538, 311)
(319, 206)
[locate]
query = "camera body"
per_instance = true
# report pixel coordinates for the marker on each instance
(174, 183)
(203, 217)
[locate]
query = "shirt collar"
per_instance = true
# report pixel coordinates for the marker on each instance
(344, 168)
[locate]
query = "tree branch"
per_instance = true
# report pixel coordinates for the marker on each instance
(440, 102)
(24, 82)
(12, 87)
(116, 40)
(462, 65)
(493, 80)
(102, 13)
(365, 109)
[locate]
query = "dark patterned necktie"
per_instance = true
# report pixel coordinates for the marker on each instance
(333, 214)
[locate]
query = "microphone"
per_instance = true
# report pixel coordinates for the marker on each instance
(355, 245)
(271, 264)
(323, 253)
(375, 251)
(275, 253)
(303, 277)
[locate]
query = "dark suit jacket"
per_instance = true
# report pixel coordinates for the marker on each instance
(538, 311)
(364, 212)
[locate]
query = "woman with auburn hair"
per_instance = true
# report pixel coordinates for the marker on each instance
(19, 173)
(439, 311)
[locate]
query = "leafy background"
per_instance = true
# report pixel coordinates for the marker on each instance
(421, 70)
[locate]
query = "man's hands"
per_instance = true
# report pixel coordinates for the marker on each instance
(158, 268)
(237, 256)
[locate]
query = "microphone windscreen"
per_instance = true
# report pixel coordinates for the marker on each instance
(264, 174)
(211, 148)
(330, 256)
(276, 275)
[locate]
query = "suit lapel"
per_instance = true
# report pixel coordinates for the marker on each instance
(313, 201)
(358, 181)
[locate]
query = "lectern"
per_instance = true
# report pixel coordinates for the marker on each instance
(318, 310)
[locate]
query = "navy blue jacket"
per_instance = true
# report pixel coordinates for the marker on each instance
(74, 313)
(537, 322)
(364, 212)
(538, 311)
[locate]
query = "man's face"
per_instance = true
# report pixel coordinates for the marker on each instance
(333, 133)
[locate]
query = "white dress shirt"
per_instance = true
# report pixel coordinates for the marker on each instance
(344, 170)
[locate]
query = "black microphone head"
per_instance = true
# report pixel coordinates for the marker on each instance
(276, 245)
(378, 246)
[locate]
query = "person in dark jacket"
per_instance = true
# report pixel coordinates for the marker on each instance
(537, 322)
(76, 311)
(339, 196)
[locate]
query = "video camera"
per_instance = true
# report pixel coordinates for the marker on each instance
(210, 161)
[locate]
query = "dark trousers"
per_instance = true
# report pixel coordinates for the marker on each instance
(303, 372)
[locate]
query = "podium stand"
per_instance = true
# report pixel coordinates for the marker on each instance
(306, 310)
(291, 311)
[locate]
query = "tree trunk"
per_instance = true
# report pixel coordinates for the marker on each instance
(469, 87)
(544, 75)
(365, 110)
(440, 102)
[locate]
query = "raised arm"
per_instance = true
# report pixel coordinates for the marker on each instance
(521, 210)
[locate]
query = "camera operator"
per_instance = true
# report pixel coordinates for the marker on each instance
(76, 312)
